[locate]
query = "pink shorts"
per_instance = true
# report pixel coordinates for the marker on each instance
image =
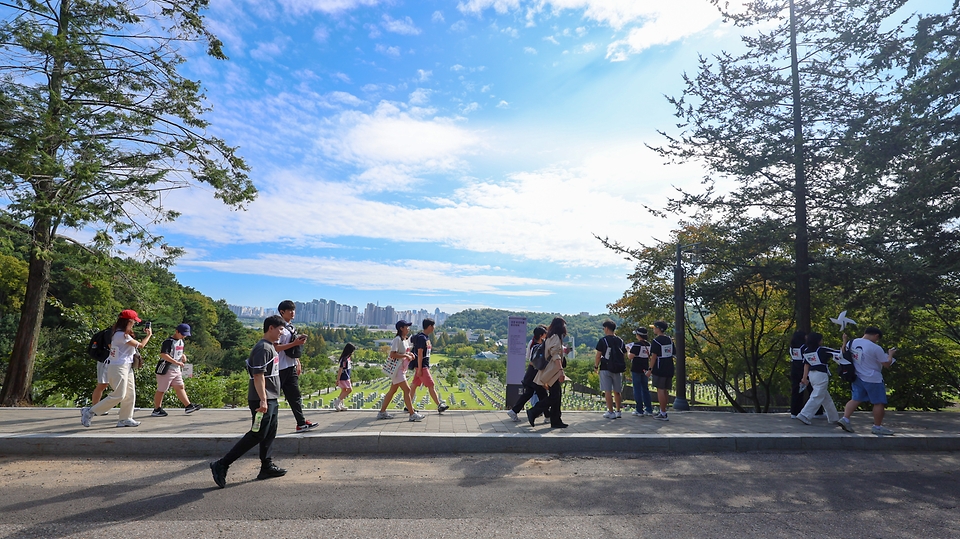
(425, 379)
(344, 384)
(173, 378)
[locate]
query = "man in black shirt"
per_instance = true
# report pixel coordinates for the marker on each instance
(661, 365)
(263, 366)
(421, 365)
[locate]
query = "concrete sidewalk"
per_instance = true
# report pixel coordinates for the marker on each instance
(210, 432)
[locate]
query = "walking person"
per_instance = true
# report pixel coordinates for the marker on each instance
(400, 349)
(797, 398)
(816, 373)
(290, 347)
(640, 372)
(610, 363)
(552, 376)
(868, 360)
(168, 372)
(661, 366)
(263, 390)
(421, 365)
(343, 377)
(530, 389)
(120, 373)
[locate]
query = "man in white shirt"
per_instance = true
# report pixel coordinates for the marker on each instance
(868, 360)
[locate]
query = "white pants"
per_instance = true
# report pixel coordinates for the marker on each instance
(124, 393)
(820, 397)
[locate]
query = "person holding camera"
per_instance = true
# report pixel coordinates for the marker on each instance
(120, 372)
(290, 348)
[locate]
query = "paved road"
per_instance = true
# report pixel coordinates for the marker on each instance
(823, 494)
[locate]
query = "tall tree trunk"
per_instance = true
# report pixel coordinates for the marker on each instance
(19, 379)
(801, 239)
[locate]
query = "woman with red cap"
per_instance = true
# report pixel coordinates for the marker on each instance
(120, 372)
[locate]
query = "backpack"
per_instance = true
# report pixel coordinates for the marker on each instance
(848, 372)
(293, 351)
(99, 347)
(538, 357)
(613, 357)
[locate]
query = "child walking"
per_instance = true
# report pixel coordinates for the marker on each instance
(343, 377)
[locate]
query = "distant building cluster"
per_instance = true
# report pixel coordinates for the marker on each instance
(329, 312)
(251, 312)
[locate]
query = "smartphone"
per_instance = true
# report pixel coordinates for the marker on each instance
(148, 325)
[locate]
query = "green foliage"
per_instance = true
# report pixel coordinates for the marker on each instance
(480, 378)
(451, 378)
(585, 329)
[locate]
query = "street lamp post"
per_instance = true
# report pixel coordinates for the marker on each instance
(679, 323)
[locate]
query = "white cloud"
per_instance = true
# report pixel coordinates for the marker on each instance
(503, 104)
(266, 51)
(388, 51)
(512, 32)
(429, 276)
(420, 96)
(551, 39)
(472, 107)
(321, 34)
(459, 26)
(530, 50)
(647, 23)
(437, 17)
(330, 7)
(403, 26)
(342, 77)
(587, 47)
(424, 75)
(457, 67)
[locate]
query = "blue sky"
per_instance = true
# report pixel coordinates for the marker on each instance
(446, 154)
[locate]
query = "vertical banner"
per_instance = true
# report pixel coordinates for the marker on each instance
(516, 357)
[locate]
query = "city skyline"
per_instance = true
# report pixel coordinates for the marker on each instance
(323, 311)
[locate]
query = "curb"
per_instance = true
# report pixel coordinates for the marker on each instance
(372, 443)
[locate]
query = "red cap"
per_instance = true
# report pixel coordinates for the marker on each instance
(130, 314)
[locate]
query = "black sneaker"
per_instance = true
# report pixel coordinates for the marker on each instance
(442, 407)
(159, 412)
(270, 471)
(191, 408)
(219, 471)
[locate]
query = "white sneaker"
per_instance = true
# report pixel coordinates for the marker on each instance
(513, 416)
(384, 415)
(416, 417)
(610, 415)
(128, 423)
(881, 431)
(85, 415)
(638, 413)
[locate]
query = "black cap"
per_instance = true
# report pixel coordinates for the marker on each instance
(403, 323)
(642, 332)
(661, 325)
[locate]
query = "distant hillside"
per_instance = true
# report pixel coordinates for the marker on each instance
(585, 329)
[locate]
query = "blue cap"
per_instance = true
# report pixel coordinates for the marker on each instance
(184, 329)
(402, 323)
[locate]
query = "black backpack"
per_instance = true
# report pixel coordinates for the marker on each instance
(538, 357)
(293, 351)
(99, 347)
(613, 359)
(848, 371)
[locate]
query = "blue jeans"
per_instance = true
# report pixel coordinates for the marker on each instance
(641, 393)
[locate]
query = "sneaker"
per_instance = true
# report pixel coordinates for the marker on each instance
(880, 430)
(793, 416)
(219, 471)
(638, 413)
(442, 407)
(513, 416)
(85, 415)
(648, 413)
(416, 417)
(307, 426)
(270, 471)
(106, 413)
(610, 414)
(158, 412)
(803, 419)
(128, 423)
(661, 416)
(844, 424)
(191, 408)
(618, 415)
(384, 415)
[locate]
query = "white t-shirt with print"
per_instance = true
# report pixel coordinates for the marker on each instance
(868, 364)
(122, 348)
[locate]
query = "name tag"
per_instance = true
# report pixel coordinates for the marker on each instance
(812, 358)
(795, 354)
(667, 350)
